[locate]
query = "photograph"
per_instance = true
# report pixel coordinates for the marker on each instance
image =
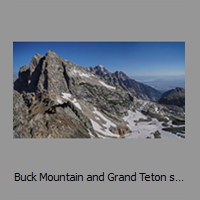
(99, 89)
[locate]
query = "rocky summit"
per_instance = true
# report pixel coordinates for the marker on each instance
(55, 98)
(174, 97)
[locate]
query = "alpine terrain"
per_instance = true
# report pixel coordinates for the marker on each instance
(55, 98)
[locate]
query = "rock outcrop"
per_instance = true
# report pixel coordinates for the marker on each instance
(40, 116)
(174, 97)
(45, 73)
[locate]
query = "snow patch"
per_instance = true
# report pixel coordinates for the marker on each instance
(85, 75)
(166, 118)
(132, 116)
(81, 74)
(59, 101)
(104, 131)
(97, 118)
(74, 101)
(108, 122)
(140, 129)
(144, 129)
(101, 68)
(92, 136)
(166, 135)
(108, 86)
(68, 96)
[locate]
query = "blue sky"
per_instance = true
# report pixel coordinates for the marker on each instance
(133, 58)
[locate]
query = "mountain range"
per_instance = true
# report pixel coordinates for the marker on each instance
(55, 98)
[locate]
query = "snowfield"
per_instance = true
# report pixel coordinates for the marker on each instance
(139, 129)
(144, 129)
(107, 86)
(132, 116)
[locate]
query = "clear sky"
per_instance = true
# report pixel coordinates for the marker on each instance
(133, 58)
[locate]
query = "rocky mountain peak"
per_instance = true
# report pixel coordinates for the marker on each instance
(173, 97)
(180, 90)
(119, 78)
(100, 69)
(44, 73)
(55, 98)
(23, 69)
(51, 53)
(121, 75)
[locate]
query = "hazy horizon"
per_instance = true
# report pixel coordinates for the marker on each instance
(162, 83)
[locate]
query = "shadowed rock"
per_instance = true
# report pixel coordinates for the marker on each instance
(174, 97)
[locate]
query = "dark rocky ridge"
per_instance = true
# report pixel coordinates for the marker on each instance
(139, 90)
(173, 97)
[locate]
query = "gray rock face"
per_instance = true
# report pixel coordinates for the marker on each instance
(20, 115)
(114, 102)
(43, 117)
(47, 72)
